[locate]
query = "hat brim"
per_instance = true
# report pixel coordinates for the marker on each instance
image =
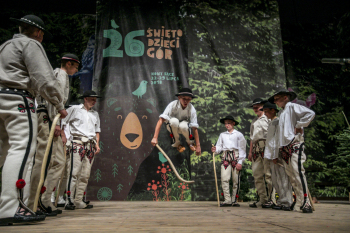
(292, 95)
(186, 95)
(271, 108)
(223, 121)
(47, 34)
(260, 102)
(82, 97)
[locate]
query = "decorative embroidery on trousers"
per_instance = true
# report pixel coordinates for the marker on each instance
(258, 149)
(287, 151)
(229, 158)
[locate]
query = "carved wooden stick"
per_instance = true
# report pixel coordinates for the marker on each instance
(173, 167)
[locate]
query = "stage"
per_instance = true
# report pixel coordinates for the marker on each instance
(190, 217)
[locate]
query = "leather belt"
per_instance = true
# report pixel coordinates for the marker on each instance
(16, 92)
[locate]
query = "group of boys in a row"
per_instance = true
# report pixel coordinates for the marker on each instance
(31, 95)
(276, 148)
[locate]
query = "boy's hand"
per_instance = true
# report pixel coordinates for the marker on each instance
(198, 150)
(154, 141)
(238, 166)
(250, 156)
(275, 161)
(97, 149)
(57, 130)
(300, 130)
(213, 149)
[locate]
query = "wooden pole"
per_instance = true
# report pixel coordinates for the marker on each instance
(216, 179)
(43, 166)
(173, 167)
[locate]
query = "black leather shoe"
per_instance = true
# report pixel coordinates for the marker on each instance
(61, 205)
(47, 212)
(89, 207)
(236, 205)
(57, 211)
(86, 202)
(307, 209)
(21, 217)
(225, 205)
(277, 207)
(69, 207)
(268, 204)
(286, 208)
(253, 205)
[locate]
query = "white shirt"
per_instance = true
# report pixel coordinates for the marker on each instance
(272, 140)
(82, 123)
(293, 116)
(258, 128)
(174, 110)
(230, 141)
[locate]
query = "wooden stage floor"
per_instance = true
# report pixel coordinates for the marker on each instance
(190, 217)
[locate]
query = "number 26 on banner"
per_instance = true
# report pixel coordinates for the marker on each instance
(133, 47)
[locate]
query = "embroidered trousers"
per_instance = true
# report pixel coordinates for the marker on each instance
(18, 127)
(79, 174)
(281, 183)
(296, 172)
(225, 179)
(175, 127)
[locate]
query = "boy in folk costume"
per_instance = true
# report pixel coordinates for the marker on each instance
(292, 119)
(180, 117)
(280, 180)
(261, 170)
(84, 125)
(24, 72)
(233, 144)
(56, 160)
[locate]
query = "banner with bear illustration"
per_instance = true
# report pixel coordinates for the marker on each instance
(228, 52)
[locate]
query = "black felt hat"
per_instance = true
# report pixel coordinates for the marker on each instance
(257, 101)
(292, 95)
(229, 118)
(186, 92)
(36, 22)
(268, 104)
(89, 94)
(71, 56)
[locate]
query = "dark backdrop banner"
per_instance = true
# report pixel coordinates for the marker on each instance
(228, 52)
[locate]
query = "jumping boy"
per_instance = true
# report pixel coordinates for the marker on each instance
(180, 117)
(293, 119)
(280, 180)
(233, 144)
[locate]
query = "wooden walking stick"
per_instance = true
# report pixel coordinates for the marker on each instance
(43, 166)
(62, 175)
(310, 199)
(173, 167)
(216, 179)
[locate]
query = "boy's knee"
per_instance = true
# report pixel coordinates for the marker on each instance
(174, 122)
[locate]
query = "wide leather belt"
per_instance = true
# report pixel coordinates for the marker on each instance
(16, 92)
(83, 139)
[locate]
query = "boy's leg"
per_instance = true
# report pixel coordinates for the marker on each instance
(236, 176)
(225, 179)
(258, 174)
(173, 128)
(82, 184)
(282, 185)
(270, 189)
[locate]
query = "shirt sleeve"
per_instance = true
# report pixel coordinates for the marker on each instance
(304, 114)
(41, 75)
(241, 148)
(264, 126)
(219, 145)
(193, 123)
(166, 114)
(97, 125)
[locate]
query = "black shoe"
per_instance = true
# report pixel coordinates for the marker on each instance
(225, 205)
(61, 205)
(277, 207)
(89, 207)
(307, 209)
(21, 217)
(57, 211)
(46, 211)
(268, 204)
(286, 208)
(86, 202)
(253, 205)
(236, 205)
(69, 207)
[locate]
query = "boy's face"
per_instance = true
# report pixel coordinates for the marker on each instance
(90, 101)
(256, 108)
(184, 100)
(229, 124)
(72, 67)
(281, 100)
(270, 113)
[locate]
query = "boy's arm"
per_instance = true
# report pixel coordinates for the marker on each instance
(156, 131)
(241, 149)
(97, 146)
(305, 115)
(196, 137)
(219, 145)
